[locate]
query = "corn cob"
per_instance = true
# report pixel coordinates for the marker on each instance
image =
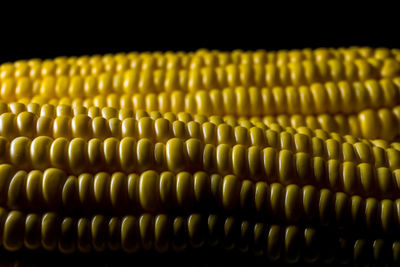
(367, 93)
(210, 103)
(380, 124)
(186, 135)
(158, 81)
(105, 123)
(201, 58)
(370, 124)
(324, 122)
(332, 151)
(254, 162)
(96, 65)
(150, 192)
(26, 124)
(379, 156)
(144, 232)
(364, 123)
(163, 233)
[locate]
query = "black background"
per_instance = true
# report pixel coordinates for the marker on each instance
(48, 36)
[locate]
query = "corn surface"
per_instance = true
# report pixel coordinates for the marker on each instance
(163, 233)
(287, 156)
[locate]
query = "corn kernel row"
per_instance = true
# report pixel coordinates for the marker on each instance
(13, 89)
(285, 56)
(164, 233)
(309, 125)
(380, 124)
(329, 149)
(109, 113)
(146, 232)
(205, 58)
(166, 192)
(105, 124)
(314, 99)
(386, 119)
(25, 123)
(17, 121)
(296, 74)
(367, 173)
(97, 64)
(42, 150)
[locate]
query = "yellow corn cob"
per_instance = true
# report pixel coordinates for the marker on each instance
(371, 124)
(150, 192)
(26, 124)
(60, 121)
(165, 140)
(236, 101)
(321, 100)
(163, 233)
(131, 233)
(322, 121)
(336, 95)
(356, 169)
(13, 89)
(380, 124)
(304, 147)
(157, 81)
(96, 65)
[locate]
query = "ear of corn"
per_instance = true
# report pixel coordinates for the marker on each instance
(290, 155)
(371, 121)
(166, 233)
(365, 173)
(165, 192)
(236, 66)
(95, 123)
(315, 98)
